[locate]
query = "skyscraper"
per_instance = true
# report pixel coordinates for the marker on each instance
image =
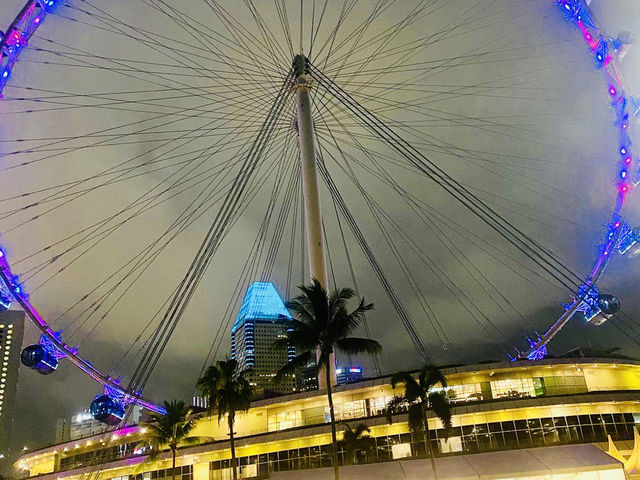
(261, 321)
(11, 330)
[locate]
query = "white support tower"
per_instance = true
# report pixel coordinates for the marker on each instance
(310, 188)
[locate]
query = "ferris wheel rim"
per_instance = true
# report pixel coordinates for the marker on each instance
(7, 277)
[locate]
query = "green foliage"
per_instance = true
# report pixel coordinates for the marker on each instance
(322, 322)
(227, 390)
(170, 430)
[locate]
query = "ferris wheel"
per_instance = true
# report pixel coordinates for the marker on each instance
(150, 149)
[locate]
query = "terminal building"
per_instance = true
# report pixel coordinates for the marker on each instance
(550, 408)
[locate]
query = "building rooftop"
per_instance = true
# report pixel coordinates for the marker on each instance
(261, 301)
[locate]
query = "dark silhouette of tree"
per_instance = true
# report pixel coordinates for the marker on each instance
(354, 440)
(418, 399)
(170, 430)
(321, 325)
(228, 393)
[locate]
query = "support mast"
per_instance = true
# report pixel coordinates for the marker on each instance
(310, 188)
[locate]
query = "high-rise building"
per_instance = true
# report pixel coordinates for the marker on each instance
(307, 377)
(11, 330)
(349, 374)
(261, 321)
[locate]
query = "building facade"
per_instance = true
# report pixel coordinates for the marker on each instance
(11, 332)
(262, 321)
(496, 407)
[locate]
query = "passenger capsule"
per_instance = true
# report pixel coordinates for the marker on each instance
(37, 358)
(608, 304)
(107, 410)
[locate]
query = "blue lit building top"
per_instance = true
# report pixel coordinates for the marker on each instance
(261, 301)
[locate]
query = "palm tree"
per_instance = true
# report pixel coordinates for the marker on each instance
(418, 398)
(228, 393)
(354, 439)
(320, 325)
(170, 430)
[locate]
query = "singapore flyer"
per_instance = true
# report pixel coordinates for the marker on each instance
(172, 171)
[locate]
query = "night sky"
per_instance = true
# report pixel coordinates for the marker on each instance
(119, 120)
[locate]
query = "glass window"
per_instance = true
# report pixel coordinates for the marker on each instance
(470, 392)
(521, 425)
(347, 410)
(533, 423)
(513, 388)
(481, 428)
(559, 421)
(495, 427)
(572, 420)
(378, 404)
(508, 426)
(584, 419)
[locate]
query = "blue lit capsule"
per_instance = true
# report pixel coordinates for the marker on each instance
(608, 304)
(107, 410)
(37, 358)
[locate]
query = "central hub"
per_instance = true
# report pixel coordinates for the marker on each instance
(300, 65)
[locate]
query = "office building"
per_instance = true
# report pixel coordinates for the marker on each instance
(11, 331)
(349, 374)
(307, 377)
(261, 321)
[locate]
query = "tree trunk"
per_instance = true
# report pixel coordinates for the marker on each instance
(427, 437)
(233, 449)
(334, 436)
(173, 463)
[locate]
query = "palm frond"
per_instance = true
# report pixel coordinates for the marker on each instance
(170, 429)
(395, 406)
(360, 429)
(226, 388)
(412, 390)
(430, 376)
(343, 323)
(416, 418)
(356, 345)
(440, 406)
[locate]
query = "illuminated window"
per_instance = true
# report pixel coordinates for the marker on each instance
(378, 404)
(513, 388)
(401, 450)
(469, 392)
(347, 410)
